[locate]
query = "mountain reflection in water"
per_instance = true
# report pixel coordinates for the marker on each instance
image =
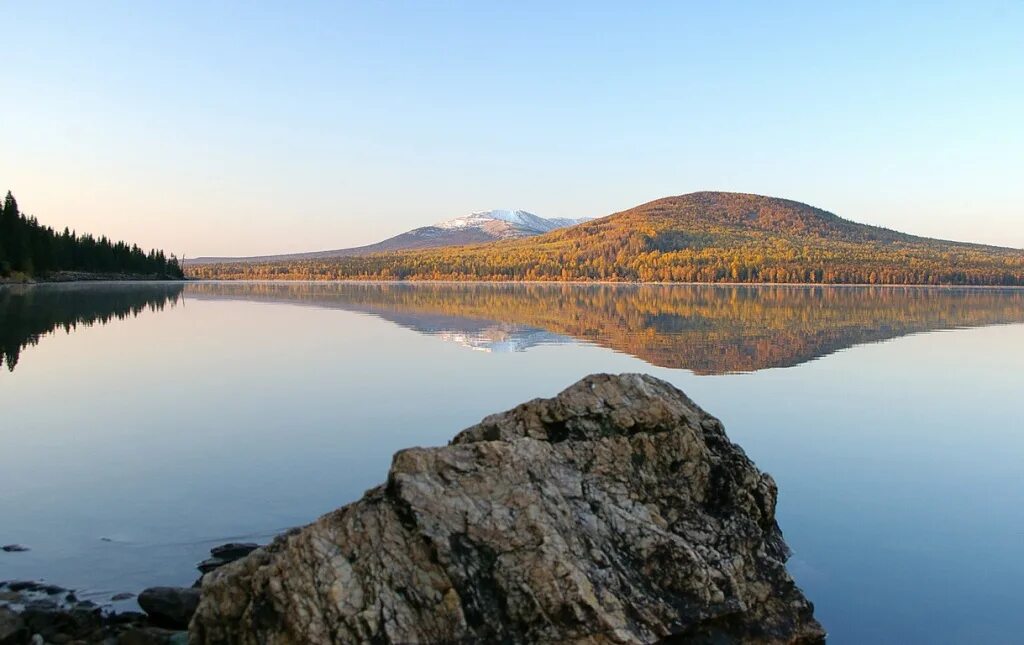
(703, 328)
(706, 329)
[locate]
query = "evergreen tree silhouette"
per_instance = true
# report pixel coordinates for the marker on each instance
(28, 247)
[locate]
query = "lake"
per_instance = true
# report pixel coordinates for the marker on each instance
(144, 423)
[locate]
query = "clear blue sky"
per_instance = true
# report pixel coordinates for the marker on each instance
(246, 128)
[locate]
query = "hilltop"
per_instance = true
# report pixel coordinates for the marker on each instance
(699, 237)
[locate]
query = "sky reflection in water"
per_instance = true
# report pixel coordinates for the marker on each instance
(207, 412)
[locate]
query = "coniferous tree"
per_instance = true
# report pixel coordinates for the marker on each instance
(29, 247)
(6, 237)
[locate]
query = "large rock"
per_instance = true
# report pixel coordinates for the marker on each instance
(616, 512)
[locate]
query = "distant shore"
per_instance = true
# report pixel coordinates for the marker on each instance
(77, 276)
(857, 285)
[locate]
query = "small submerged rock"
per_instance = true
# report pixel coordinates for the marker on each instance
(20, 586)
(616, 512)
(14, 548)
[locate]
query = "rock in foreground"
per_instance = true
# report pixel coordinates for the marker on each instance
(616, 512)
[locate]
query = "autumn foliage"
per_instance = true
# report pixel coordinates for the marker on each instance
(707, 237)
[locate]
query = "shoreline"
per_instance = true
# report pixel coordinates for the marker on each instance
(609, 283)
(63, 277)
(68, 277)
(156, 615)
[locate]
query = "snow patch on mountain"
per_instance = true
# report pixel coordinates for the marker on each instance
(520, 221)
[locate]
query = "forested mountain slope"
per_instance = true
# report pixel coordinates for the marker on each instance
(699, 237)
(475, 228)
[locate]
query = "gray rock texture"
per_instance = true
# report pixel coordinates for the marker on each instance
(616, 512)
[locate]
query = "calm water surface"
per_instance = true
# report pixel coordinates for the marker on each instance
(142, 424)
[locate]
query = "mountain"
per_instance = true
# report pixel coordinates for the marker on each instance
(507, 224)
(699, 237)
(482, 226)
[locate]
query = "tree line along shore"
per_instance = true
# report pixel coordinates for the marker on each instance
(30, 251)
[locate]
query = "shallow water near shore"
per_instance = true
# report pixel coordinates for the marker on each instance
(144, 423)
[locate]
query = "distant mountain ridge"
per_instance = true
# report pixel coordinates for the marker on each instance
(710, 237)
(475, 228)
(508, 223)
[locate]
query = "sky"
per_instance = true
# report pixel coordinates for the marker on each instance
(217, 128)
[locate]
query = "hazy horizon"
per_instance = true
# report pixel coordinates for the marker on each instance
(338, 126)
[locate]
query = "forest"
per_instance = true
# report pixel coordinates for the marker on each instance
(700, 237)
(30, 249)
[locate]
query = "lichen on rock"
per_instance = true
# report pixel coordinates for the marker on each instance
(615, 512)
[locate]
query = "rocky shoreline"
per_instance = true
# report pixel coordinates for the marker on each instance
(35, 613)
(615, 512)
(39, 613)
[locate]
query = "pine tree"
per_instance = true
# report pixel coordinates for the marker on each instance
(6, 238)
(16, 235)
(10, 207)
(29, 247)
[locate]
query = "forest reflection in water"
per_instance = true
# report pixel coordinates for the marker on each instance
(703, 328)
(30, 312)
